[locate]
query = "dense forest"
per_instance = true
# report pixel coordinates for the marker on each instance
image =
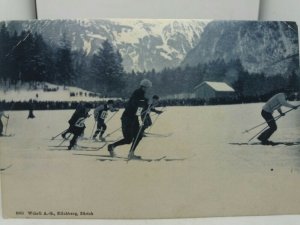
(26, 57)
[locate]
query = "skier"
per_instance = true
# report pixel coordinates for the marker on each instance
(100, 114)
(271, 105)
(31, 106)
(76, 122)
(132, 132)
(145, 116)
(1, 124)
(79, 110)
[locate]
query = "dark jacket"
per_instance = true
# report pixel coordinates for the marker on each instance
(79, 113)
(136, 102)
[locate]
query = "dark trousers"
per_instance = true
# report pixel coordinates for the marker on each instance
(101, 128)
(272, 126)
(130, 130)
(66, 131)
(76, 131)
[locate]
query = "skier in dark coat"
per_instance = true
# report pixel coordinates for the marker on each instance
(132, 132)
(80, 108)
(100, 114)
(76, 123)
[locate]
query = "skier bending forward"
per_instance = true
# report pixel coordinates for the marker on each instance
(77, 125)
(271, 105)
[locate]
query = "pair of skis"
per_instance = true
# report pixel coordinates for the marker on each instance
(78, 146)
(81, 147)
(120, 158)
(271, 143)
(104, 158)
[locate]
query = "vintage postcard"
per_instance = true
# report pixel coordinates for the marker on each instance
(132, 118)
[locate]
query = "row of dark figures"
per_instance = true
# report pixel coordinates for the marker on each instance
(120, 103)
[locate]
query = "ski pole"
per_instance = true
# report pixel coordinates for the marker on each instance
(154, 122)
(263, 129)
(58, 134)
(246, 131)
(111, 117)
(140, 130)
(156, 119)
(64, 140)
(112, 132)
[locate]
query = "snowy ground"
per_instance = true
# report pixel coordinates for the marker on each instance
(24, 93)
(202, 174)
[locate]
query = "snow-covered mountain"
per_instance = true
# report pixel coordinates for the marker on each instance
(143, 44)
(269, 47)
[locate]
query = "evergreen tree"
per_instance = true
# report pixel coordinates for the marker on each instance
(215, 70)
(22, 54)
(37, 59)
(80, 63)
(31, 58)
(64, 66)
(107, 70)
(4, 53)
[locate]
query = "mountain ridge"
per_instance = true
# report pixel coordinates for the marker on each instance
(262, 47)
(143, 44)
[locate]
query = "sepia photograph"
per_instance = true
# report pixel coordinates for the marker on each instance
(149, 118)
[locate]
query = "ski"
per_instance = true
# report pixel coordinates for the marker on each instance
(57, 139)
(157, 135)
(120, 158)
(3, 169)
(125, 159)
(54, 137)
(78, 147)
(7, 135)
(269, 144)
(177, 159)
(83, 140)
(147, 160)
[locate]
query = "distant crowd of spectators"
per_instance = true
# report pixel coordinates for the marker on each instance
(46, 105)
(59, 105)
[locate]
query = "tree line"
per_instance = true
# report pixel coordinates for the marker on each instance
(26, 57)
(183, 80)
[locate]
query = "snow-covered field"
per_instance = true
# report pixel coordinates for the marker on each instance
(24, 93)
(203, 174)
